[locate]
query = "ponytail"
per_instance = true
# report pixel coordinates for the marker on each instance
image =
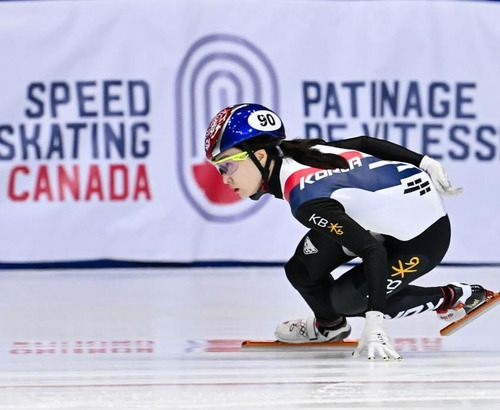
(303, 151)
(300, 150)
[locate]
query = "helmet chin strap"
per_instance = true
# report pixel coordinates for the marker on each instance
(264, 171)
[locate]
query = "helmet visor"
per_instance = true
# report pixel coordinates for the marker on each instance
(227, 165)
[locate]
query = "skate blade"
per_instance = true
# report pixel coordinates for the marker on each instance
(276, 343)
(491, 301)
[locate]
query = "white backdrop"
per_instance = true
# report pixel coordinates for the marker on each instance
(104, 107)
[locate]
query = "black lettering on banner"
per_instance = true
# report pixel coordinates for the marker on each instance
(436, 118)
(71, 120)
(8, 150)
(37, 111)
(89, 99)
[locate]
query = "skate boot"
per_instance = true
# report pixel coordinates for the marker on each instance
(308, 331)
(462, 299)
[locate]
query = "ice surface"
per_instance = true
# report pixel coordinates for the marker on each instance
(170, 339)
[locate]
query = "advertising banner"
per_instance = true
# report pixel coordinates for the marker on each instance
(104, 107)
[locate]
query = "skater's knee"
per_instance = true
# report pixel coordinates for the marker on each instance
(296, 272)
(347, 299)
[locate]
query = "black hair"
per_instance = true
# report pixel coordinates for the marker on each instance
(299, 149)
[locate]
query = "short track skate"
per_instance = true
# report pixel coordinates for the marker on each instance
(492, 299)
(275, 343)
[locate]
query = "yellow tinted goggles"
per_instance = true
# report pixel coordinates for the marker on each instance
(228, 165)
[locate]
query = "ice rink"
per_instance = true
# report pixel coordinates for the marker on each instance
(170, 339)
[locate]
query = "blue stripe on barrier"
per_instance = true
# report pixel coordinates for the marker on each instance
(473, 1)
(114, 264)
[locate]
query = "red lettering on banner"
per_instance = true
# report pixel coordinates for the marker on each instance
(432, 344)
(45, 348)
(414, 344)
(71, 183)
(21, 348)
(83, 347)
(94, 184)
(121, 347)
(144, 346)
(24, 195)
(142, 183)
(115, 172)
(97, 347)
(42, 185)
(113, 182)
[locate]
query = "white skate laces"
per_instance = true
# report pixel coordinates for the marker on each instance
(306, 331)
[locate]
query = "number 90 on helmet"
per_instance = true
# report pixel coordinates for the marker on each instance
(239, 123)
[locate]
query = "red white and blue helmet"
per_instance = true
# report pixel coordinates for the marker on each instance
(239, 123)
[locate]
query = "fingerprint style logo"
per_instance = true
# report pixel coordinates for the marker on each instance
(218, 70)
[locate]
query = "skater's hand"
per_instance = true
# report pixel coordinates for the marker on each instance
(374, 339)
(439, 177)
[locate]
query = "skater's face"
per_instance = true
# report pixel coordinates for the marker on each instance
(239, 172)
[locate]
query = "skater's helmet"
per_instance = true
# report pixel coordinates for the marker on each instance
(240, 123)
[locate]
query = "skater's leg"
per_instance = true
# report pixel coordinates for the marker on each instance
(407, 261)
(414, 299)
(452, 302)
(309, 272)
